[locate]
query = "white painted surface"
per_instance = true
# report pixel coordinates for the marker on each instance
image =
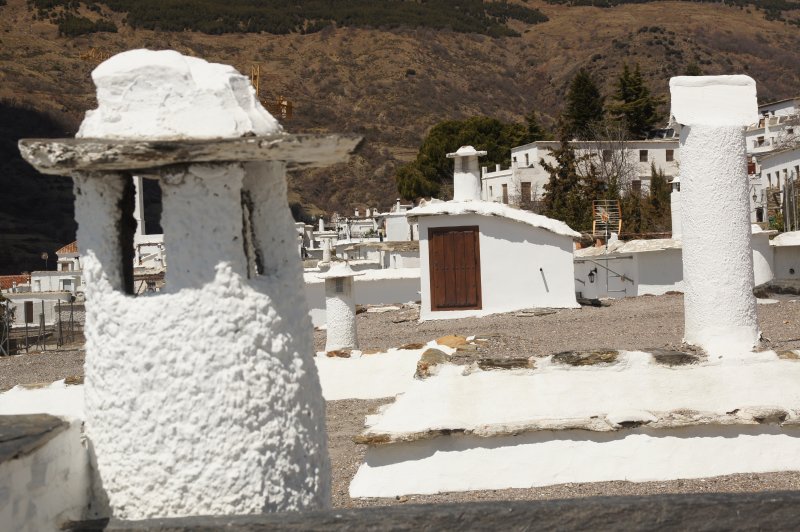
(660, 272)
(484, 400)
(522, 266)
(634, 389)
(204, 399)
(367, 376)
(787, 261)
(340, 312)
(675, 211)
(714, 101)
(467, 174)
(57, 399)
(48, 487)
(544, 458)
(763, 256)
(720, 308)
(156, 94)
(485, 208)
(375, 287)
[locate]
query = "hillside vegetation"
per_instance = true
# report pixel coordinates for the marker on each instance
(390, 84)
(290, 16)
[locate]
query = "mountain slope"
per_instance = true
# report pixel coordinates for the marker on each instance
(393, 85)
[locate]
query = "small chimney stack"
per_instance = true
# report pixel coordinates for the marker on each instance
(675, 206)
(466, 175)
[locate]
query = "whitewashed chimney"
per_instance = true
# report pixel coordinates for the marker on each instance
(466, 174)
(203, 399)
(719, 305)
(340, 307)
(675, 206)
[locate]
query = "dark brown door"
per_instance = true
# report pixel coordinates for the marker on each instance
(455, 268)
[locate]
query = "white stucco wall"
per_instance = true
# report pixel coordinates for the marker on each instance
(512, 254)
(546, 458)
(48, 487)
(398, 229)
(660, 272)
(517, 429)
(720, 308)
(340, 312)
(787, 258)
(375, 287)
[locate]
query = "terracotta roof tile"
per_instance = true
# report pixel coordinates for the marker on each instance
(7, 281)
(69, 248)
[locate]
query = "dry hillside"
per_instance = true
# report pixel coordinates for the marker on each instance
(392, 85)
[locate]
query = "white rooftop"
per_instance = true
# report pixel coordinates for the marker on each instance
(466, 151)
(487, 208)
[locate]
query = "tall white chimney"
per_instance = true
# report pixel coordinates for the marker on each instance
(466, 175)
(675, 206)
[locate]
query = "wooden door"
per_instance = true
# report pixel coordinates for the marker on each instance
(455, 268)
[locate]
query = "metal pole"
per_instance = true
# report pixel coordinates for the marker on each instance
(41, 328)
(60, 331)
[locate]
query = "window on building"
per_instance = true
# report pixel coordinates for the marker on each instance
(642, 156)
(527, 160)
(514, 159)
(505, 194)
(525, 190)
(66, 285)
(636, 186)
(670, 155)
(769, 179)
(790, 131)
(606, 156)
(759, 141)
(491, 193)
(28, 311)
(339, 285)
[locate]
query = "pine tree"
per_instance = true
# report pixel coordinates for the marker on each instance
(568, 196)
(584, 106)
(659, 199)
(535, 130)
(635, 106)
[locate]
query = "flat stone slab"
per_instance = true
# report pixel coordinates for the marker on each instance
(693, 511)
(22, 435)
(661, 391)
(64, 156)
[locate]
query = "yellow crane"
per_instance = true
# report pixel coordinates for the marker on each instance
(281, 108)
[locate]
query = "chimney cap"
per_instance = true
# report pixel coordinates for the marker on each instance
(466, 151)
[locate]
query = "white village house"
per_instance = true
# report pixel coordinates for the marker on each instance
(479, 258)
(524, 180)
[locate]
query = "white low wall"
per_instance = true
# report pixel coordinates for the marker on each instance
(375, 287)
(367, 376)
(48, 487)
(52, 485)
(464, 463)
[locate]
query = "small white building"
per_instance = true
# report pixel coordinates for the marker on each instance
(479, 258)
(66, 278)
(396, 226)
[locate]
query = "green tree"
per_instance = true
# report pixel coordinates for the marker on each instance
(659, 199)
(425, 175)
(635, 106)
(584, 106)
(535, 130)
(568, 195)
